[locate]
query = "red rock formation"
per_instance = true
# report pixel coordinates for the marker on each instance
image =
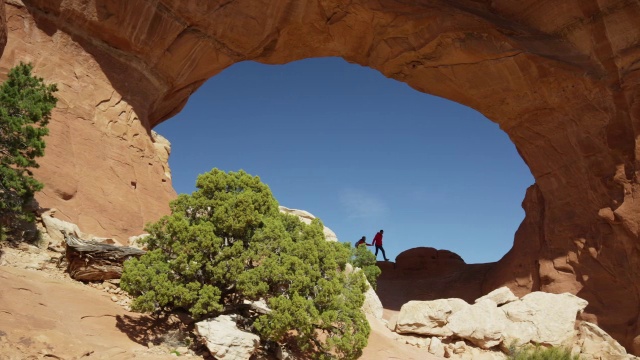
(560, 78)
(429, 274)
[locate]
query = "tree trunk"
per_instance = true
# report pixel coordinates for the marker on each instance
(92, 261)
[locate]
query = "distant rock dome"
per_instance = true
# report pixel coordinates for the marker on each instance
(307, 217)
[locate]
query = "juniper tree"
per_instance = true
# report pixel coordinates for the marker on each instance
(364, 259)
(227, 243)
(26, 103)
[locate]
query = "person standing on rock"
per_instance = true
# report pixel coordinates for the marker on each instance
(377, 242)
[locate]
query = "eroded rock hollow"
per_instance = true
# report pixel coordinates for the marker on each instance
(560, 78)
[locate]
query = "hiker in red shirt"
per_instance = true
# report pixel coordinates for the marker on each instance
(377, 242)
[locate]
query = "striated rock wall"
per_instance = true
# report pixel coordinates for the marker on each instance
(102, 169)
(560, 78)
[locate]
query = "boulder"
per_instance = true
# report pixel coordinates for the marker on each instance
(225, 341)
(136, 241)
(55, 227)
(482, 323)
(500, 296)
(596, 344)
(428, 317)
(436, 347)
(372, 304)
(552, 316)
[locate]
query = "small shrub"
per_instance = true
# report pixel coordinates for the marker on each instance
(541, 353)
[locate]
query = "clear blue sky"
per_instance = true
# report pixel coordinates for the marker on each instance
(360, 151)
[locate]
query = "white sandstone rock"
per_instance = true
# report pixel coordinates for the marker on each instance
(553, 317)
(436, 347)
(54, 228)
(136, 241)
(500, 296)
(482, 323)
(307, 217)
(428, 317)
(225, 341)
(372, 304)
(596, 344)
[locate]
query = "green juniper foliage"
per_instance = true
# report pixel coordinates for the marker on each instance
(25, 109)
(364, 259)
(541, 353)
(227, 243)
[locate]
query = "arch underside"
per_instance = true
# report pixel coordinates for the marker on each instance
(561, 79)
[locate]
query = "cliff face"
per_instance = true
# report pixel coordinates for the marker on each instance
(560, 78)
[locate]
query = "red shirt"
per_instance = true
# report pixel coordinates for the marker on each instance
(377, 240)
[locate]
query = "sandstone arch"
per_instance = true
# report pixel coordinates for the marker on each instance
(560, 78)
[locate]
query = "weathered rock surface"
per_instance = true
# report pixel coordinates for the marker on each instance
(536, 319)
(499, 296)
(594, 343)
(561, 79)
(307, 217)
(428, 317)
(543, 318)
(93, 261)
(372, 305)
(482, 323)
(225, 340)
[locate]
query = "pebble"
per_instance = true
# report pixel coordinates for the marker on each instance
(114, 298)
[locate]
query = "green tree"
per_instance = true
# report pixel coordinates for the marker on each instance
(364, 259)
(227, 243)
(25, 109)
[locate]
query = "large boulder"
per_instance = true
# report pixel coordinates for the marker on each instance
(548, 319)
(225, 341)
(482, 323)
(594, 344)
(372, 304)
(496, 323)
(428, 317)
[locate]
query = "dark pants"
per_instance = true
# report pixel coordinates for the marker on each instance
(379, 247)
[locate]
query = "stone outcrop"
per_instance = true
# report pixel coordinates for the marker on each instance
(225, 340)
(307, 217)
(428, 317)
(560, 78)
(491, 329)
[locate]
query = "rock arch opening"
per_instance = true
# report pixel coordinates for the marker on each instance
(360, 151)
(562, 80)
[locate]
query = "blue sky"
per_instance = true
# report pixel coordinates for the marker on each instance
(360, 151)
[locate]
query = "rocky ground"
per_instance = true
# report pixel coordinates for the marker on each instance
(44, 314)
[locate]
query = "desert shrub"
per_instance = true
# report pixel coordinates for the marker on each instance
(227, 243)
(364, 259)
(541, 353)
(26, 103)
